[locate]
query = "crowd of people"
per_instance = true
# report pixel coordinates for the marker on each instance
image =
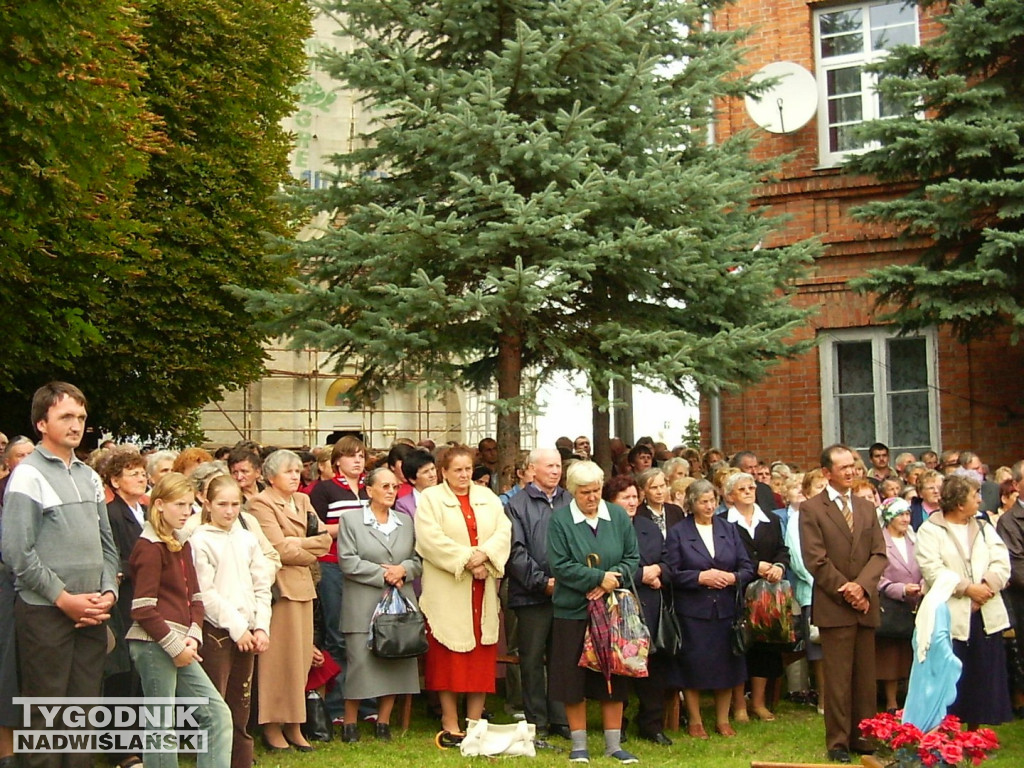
(256, 568)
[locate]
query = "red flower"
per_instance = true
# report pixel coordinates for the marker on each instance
(950, 724)
(905, 735)
(952, 753)
(948, 743)
(991, 741)
(932, 740)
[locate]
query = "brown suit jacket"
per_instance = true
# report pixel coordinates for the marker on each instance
(286, 531)
(835, 555)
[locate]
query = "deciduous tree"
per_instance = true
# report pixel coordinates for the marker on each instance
(124, 237)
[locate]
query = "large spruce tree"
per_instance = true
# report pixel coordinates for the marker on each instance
(542, 191)
(959, 149)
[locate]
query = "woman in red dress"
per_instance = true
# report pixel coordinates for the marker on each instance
(463, 536)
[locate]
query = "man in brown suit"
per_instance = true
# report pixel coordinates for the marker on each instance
(843, 548)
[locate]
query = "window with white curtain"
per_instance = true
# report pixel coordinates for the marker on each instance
(879, 387)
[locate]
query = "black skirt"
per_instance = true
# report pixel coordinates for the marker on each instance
(982, 693)
(570, 683)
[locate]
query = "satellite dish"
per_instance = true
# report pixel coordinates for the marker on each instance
(788, 105)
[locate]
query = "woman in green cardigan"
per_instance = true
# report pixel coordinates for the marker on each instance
(590, 545)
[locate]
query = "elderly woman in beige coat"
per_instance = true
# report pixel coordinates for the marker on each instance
(294, 530)
(955, 542)
(464, 538)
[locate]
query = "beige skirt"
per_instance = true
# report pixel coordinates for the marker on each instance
(284, 667)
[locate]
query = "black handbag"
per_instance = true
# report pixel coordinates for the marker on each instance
(740, 626)
(669, 639)
(318, 726)
(897, 618)
(399, 635)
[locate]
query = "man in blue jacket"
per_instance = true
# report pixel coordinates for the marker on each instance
(531, 585)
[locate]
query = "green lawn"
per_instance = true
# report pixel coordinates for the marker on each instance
(796, 736)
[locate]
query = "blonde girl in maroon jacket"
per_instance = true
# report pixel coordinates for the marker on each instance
(167, 613)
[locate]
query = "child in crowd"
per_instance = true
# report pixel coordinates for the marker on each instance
(168, 614)
(235, 578)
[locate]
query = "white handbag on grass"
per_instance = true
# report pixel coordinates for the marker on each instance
(493, 740)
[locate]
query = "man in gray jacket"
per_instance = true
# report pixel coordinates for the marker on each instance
(57, 542)
(531, 584)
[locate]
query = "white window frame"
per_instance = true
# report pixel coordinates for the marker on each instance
(878, 336)
(870, 108)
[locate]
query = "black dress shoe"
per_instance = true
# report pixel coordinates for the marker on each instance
(560, 730)
(270, 747)
(299, 747)
(383, 731)
(448, 740)
(658, 738)
(350, 733)
(839, 755)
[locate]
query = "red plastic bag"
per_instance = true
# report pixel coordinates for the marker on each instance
(770, 612)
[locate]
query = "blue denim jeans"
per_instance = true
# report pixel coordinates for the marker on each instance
(329, 592)
(161, 679)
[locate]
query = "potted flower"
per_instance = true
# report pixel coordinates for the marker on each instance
(902, 745)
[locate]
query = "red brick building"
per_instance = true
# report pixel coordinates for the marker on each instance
(862, 382)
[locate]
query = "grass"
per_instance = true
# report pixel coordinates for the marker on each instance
(797, 736)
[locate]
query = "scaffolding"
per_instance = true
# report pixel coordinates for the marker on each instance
(295, 404)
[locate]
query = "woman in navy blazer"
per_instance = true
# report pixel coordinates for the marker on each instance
(649, 578)
(707, 564)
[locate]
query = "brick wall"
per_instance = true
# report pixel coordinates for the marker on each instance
(781, 418)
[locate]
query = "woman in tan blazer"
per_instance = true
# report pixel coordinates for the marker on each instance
(292, 527)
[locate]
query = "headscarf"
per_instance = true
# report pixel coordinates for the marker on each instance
(892, 508)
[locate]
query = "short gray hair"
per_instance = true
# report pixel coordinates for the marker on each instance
(697, 489)
(279, 461)
(731, 481)
(676, 461)
(647, 475)
(582, 473)
(536, 453)
(371, 477)
(156, 458)
(205, 472)
(14, 443)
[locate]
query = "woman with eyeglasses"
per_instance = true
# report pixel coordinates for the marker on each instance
(376, 549)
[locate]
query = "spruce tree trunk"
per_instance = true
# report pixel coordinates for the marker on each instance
(510, 380)
(601, 418)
